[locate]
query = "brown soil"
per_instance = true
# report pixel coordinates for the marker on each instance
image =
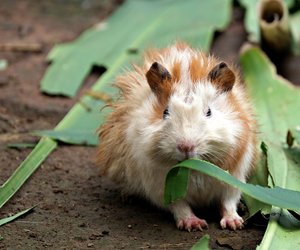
(77, 209)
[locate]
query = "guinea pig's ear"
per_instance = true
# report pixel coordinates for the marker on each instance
(159, 79)
(222, 77)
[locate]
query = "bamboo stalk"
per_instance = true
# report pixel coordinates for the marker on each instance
(276, 37)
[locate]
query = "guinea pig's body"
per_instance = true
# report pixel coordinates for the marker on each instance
(180, 104)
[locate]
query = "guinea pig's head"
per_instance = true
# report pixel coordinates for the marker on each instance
(194, 118)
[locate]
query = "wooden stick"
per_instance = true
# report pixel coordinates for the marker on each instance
(21, 47)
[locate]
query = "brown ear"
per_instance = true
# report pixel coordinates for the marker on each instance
(222, 77)
(159, 80)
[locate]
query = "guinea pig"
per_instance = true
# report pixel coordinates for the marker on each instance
(180, 104)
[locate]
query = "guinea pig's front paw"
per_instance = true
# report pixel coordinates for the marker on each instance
(191, 223)
(232, 221)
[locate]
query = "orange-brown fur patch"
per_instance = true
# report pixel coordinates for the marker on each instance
(232, 163)
(255, 154)
(246, 138)
(162, 100)
(197, 69)
(114, 129)
(181, 46)
(158, 109)
(159, 80)
(176, 72)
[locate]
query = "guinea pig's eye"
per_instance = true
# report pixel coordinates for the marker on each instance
(208, 113)
(166, 113)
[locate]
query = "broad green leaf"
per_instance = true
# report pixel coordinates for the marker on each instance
(277, 196)
(276, 104)
(73, 136)
(15, 216)
(202, 244)
(251, 19)
(26, 169)
(80, 125)
(136, 25)
(277, 107)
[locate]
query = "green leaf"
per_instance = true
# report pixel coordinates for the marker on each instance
(136, 25)
(277, 104)
(176, 188)
(202, 244)
(73, 136)
(21, 145)
(26, 169)
(13, 217)
(277, 196)
(259, 177)
(251, 19)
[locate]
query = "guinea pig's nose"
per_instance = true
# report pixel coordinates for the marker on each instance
(186, 147)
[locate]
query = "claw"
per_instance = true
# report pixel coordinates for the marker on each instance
(180, 225)
(232, 222)
(192, 223)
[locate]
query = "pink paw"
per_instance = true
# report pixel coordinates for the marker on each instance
(192, 223)
(232, 222)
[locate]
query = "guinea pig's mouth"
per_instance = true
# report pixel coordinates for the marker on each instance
(193, 156)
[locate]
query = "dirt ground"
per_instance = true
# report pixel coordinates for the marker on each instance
(77, 209)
